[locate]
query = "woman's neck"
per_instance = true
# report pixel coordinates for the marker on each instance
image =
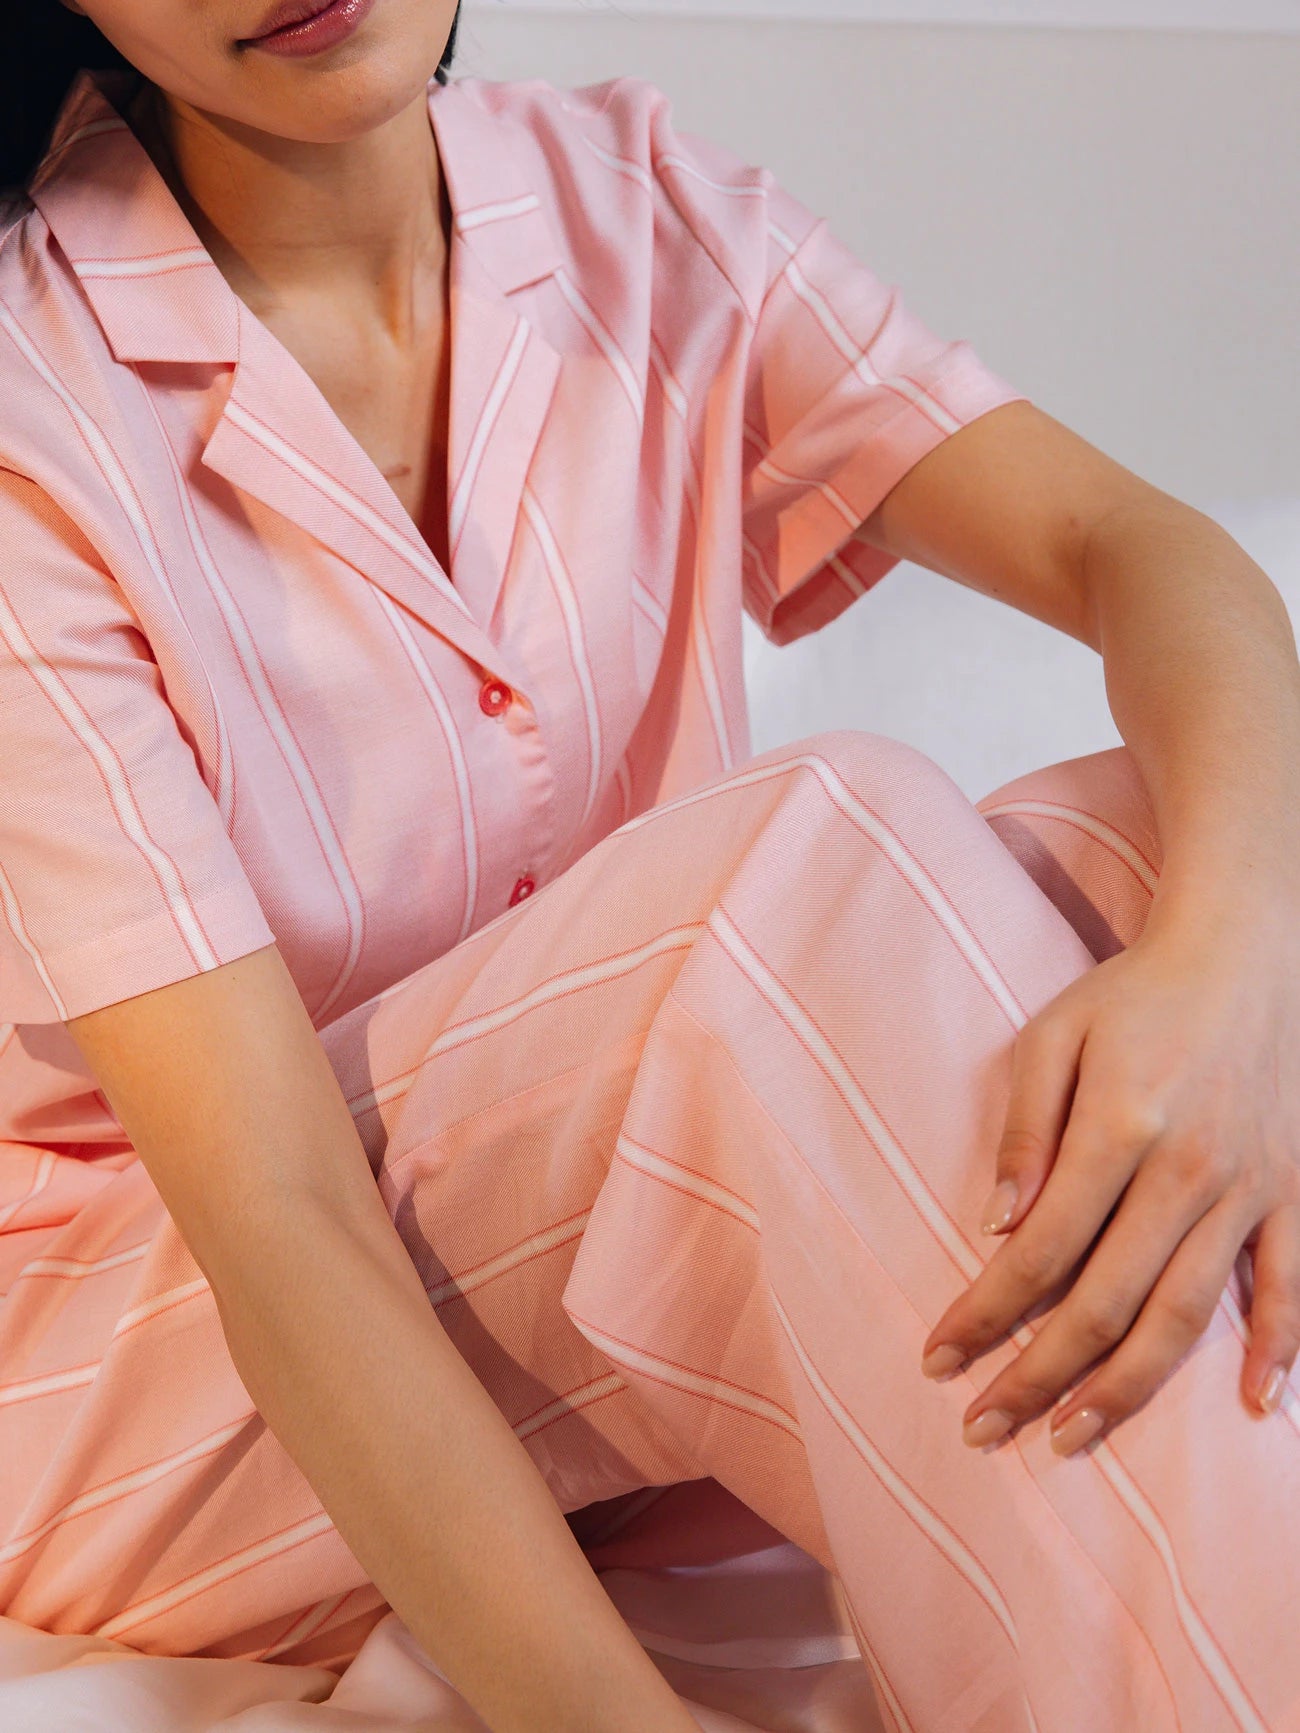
(359, 227)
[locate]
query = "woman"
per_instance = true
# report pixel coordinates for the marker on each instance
(386, 462)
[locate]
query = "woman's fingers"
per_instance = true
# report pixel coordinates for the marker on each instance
(1163, 1260)
(1098, 1157)
(1275, 1308)
(1173, 1320)
(1044, 1070)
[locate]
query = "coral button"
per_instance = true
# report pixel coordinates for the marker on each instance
(493, 697)
(524, 888)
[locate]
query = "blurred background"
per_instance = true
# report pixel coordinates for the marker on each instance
(1109, 215)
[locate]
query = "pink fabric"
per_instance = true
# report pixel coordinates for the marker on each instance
(690, 1163)
(688, 1145)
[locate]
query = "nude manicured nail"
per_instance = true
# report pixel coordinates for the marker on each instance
(1000, 1207)
(1078, 1430)
(942, 1363)
(1271, 1393)
(993, 1424)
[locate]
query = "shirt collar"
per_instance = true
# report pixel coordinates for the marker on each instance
(126, 237)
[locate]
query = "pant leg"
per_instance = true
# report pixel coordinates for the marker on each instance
(689, 1150)
(836, 1104)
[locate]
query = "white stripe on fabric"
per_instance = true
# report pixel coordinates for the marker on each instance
(128, 502)
(770, 588)
(153, 1606)
(860, 359)
(949, 1544)
(649, 605)
(224, 771)
(636, 1504)
(152, 266)
(455, 753)
(1096, 827)
(74, 1269)
(701, 646)
(354, 506)
(313, 804)
(477, 215)
(307, 1626)
(880, 1678)
(158, 1304)
(847, 576)
(490, 1022)
(50, 1383)
(623, 778)
(118, 785)
(672, 389)
(112, 1490)
(735, 192)
(496, 398)
(865, 820)
(694, 1383)
(1199, 1638)
(547, 1240)
(836, 499)
(852, 517)
(13, 913)
(634, 171)
(571, 1401)
(42, 1174)
(92, 129)
(571, 613)
(604, 340)
(895, 1157)
(786, 242)
(672, 1173)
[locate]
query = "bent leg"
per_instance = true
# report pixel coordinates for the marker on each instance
(824, 1084)
(689, 1150)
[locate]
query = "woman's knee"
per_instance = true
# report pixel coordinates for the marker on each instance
(1084, 829)
(1108, 784)
(879, 768)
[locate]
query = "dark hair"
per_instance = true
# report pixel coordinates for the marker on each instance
(47, 46)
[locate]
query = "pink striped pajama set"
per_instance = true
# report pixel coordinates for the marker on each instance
(680, 1071)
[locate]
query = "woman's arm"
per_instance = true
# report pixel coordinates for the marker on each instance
(1167, 1080)
(224, 1087)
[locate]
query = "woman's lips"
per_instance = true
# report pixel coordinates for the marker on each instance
(308, 27)
(289, 12)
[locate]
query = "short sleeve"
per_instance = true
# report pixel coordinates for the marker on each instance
(117, 874)
(846, 389)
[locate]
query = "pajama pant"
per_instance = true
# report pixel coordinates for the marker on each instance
(689, 1151)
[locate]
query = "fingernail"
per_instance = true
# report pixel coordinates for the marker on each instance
(1271, 1393)
(942, 1363)
(1080, 1429)
(1000, 1207)
(993, 1424)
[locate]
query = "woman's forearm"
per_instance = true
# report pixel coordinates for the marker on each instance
(1204, 685)
(340, 1349)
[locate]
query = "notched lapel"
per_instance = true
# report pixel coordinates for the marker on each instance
(331, 490)
(503, 380)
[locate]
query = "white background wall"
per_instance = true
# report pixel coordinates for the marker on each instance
(1272, 15)
(1112, 219)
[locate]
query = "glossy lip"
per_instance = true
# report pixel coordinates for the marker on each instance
(290, 12)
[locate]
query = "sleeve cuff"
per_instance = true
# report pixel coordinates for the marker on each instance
(817, 567)
(131, 959)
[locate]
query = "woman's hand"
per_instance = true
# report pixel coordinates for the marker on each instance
(1153, 1129)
